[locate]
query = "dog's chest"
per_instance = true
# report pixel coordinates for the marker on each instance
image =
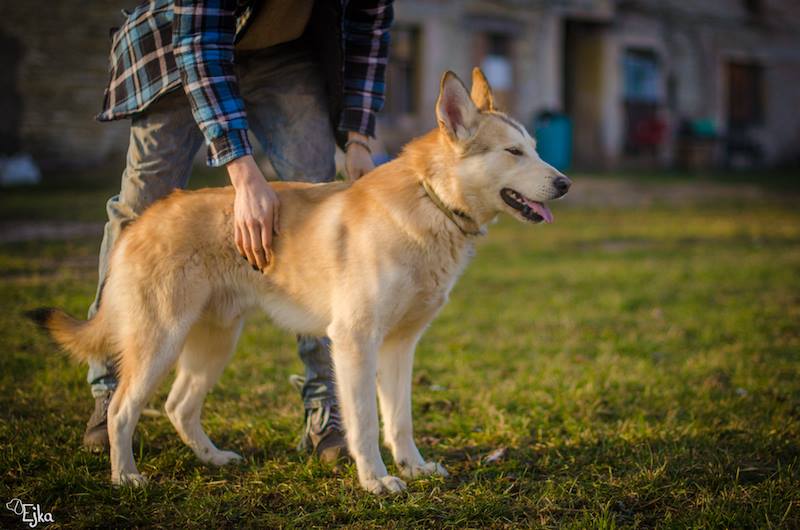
(435, 275)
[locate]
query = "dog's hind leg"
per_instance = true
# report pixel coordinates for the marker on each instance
(395, 364)
(207, 350)
(143, 363)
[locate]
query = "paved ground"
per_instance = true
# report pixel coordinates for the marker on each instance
(617, 192)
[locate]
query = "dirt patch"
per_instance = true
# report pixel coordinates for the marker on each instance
(594, 191)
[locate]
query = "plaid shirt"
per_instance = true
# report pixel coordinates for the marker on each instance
(164, 44)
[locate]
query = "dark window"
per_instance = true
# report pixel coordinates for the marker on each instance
(745, 94)
(498, 44)
(755, 8)
(402, 77)
(11, 51)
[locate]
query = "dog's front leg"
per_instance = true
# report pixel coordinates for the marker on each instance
(395, 366)
(355, 361)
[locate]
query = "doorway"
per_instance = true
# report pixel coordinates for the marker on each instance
(583, 75)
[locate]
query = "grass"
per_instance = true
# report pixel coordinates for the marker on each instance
(639, 364)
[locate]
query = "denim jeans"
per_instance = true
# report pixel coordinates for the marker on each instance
(285, 100)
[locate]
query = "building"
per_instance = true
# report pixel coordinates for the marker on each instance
(648, 82)
(645, 82)
(54, 64)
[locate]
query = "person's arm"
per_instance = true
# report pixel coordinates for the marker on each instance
(366, 48)
(203, 35)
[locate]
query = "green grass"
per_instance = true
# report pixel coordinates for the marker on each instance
(641, 366)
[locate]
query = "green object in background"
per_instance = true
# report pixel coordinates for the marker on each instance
(553, 133)
(704, 128)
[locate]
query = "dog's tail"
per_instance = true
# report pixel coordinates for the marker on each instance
(85, 340)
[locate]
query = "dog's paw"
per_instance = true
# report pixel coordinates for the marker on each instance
(223, 458)
(424, 470)
(387, 484)
(130, 479)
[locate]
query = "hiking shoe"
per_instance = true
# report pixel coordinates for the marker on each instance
(95, 439)
(323, 435)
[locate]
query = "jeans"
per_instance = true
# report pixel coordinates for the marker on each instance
(286, 106)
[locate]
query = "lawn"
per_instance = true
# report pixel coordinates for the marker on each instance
(637, 365)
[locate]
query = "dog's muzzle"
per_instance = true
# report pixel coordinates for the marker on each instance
(531, 210)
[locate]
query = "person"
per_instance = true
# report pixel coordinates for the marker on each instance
(301, 75)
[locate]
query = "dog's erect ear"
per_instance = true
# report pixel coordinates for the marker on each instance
(481, 91)
(455, 111)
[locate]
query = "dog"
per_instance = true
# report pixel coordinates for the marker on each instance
(368, 263)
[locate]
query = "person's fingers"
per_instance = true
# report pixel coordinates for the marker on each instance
(358, 163)
(238, 239)
(355, 171)
(348, 165)
(259, 256)
(276, 217)
(248, 244)
(266, 241)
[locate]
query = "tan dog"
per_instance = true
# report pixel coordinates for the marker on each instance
(368, 264)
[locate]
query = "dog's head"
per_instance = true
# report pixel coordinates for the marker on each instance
(496, 165)
(15, 505)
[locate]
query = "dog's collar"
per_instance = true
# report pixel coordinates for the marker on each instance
(453, 214)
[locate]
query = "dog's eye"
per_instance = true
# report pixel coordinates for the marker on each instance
(516, 151)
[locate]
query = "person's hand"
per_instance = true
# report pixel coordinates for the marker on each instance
(256, 211)
(358, 159)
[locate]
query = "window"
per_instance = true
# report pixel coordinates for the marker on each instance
(645, 128)
(643, 81)
(498, 67)
(754, 8)
(402, 76)
(745, 94)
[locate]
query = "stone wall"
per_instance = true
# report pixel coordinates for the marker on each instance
(56, 87)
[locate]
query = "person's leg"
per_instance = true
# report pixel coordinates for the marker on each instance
(163, 142)
(285, 99)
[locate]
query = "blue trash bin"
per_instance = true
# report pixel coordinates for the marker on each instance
(553, 132)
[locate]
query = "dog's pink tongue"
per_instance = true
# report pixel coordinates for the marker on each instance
(542, 210)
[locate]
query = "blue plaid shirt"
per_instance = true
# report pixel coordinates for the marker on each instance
(164, 44)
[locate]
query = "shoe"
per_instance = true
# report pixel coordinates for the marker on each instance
(95, 439)
(323, 435)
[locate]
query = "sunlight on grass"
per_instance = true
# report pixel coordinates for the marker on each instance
(640, 365)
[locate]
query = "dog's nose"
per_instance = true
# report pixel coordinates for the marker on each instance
(562, 184)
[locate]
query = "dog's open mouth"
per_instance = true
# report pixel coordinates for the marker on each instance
(529, 209)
